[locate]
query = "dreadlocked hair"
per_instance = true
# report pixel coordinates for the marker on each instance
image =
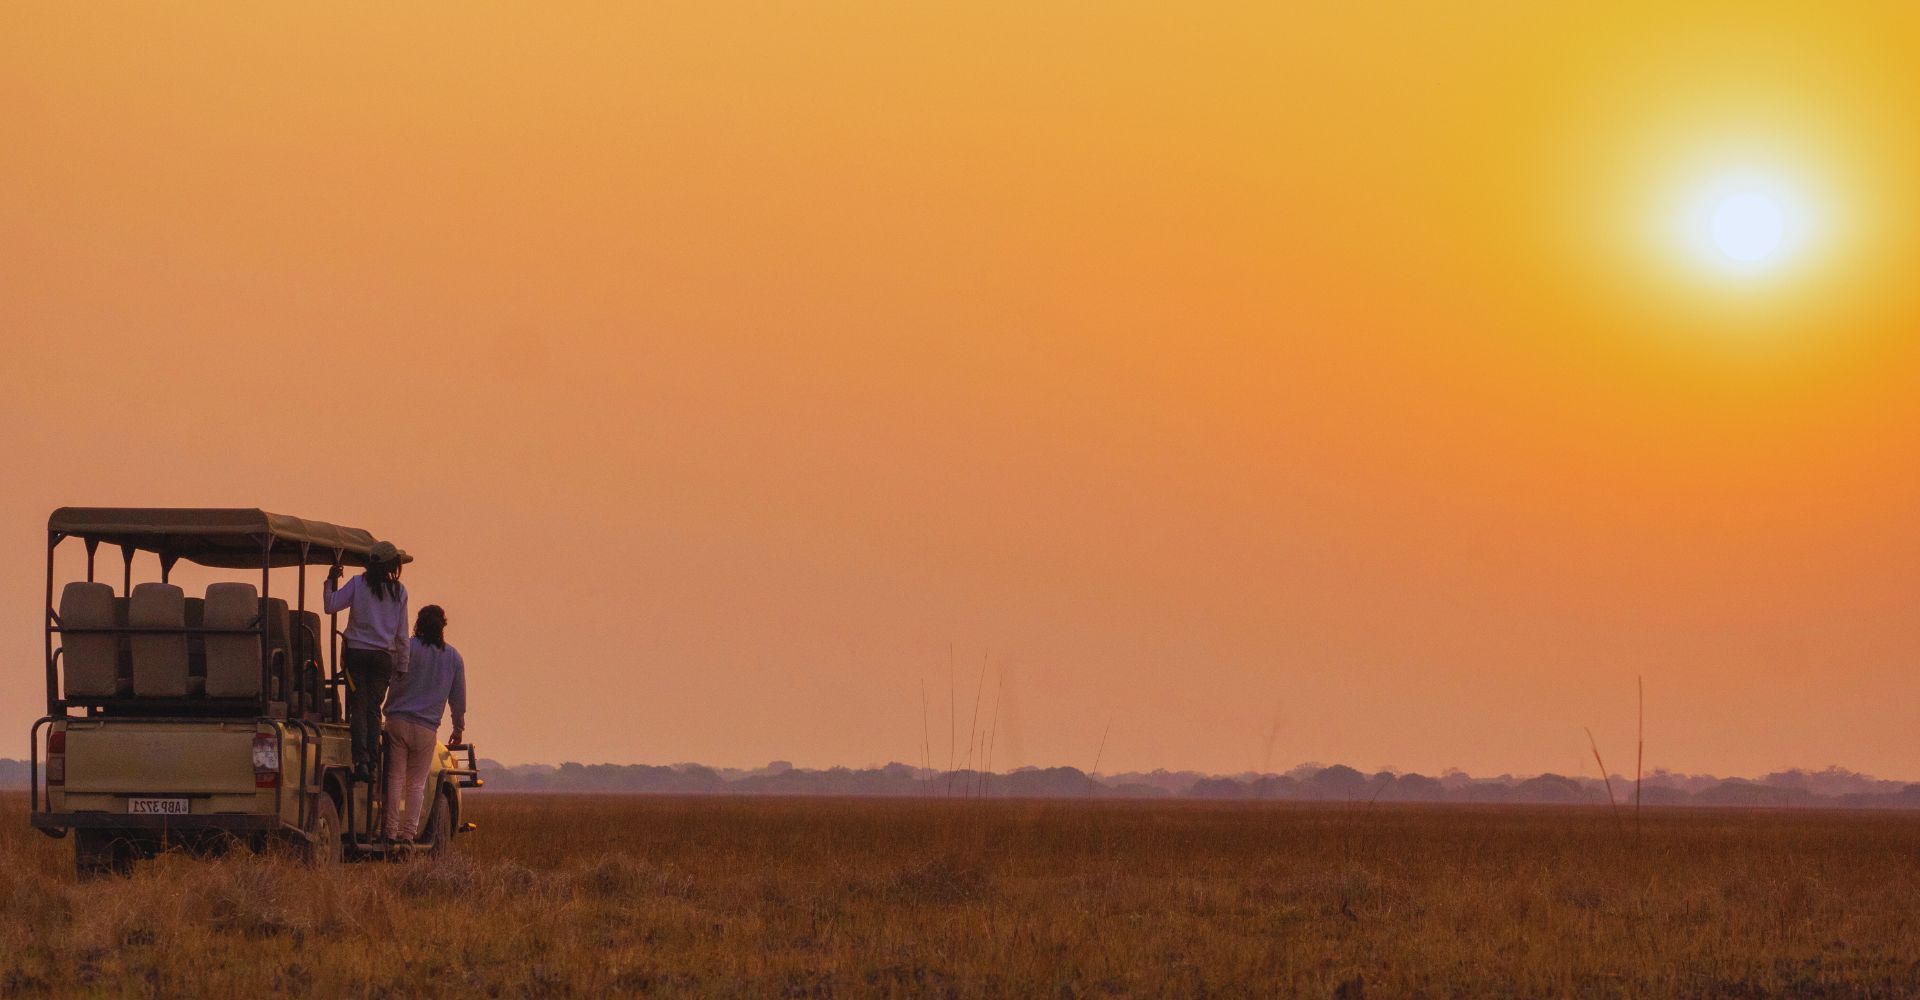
(383, 580)
(430, 626)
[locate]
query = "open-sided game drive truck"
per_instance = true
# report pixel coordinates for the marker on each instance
(206, 721)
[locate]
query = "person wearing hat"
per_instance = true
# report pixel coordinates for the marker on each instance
(375, 642)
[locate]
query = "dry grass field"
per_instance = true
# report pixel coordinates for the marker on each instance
(582, 896)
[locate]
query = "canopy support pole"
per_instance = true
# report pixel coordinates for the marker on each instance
(266, 635)
(312, 698)
(333, 643)
(54, 707)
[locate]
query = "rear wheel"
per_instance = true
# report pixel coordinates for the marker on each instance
(99, 853)
(437, 834)
(326, 847)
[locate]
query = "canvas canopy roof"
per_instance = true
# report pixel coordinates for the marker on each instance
(223, 537)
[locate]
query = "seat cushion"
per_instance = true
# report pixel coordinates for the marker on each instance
(91, 662)
(274, 610)
(277, 616)
(233, 661)
(159, 660)
(196, 644)
(120, 611)
(307, 637)
(303, 639)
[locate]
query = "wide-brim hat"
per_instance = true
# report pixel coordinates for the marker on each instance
(387, 552)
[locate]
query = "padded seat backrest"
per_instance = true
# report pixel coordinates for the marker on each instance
(120, 610)
(277, 621)
(275, 611)
(196, 647)
(303, 657)
(305, 637)
(92, 662)
(159, 660)
(233, 661)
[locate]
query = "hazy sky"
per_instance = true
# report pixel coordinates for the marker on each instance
(1305, 373)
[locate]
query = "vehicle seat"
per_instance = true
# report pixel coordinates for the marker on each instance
(92, 661)
(306, 637)
(304, 641)
(159, 660)
(233, 661)
(196, 647)
(275, 611)
(124, 652)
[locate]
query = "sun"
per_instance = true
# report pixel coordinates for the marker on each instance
(1749, 223)
(1748, 228)
(1743, 207)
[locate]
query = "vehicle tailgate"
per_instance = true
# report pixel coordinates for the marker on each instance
(135, 756)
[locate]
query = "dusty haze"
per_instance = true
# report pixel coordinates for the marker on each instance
(1225, 378)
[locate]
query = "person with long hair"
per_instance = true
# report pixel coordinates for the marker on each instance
(375, 643)
(436, 680)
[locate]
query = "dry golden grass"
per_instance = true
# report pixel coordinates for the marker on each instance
(587, 896)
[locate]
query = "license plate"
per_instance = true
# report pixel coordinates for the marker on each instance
(157, 807)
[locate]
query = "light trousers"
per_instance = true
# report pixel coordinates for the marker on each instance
(410, 748)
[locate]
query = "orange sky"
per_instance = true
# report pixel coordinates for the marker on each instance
(1207, 371)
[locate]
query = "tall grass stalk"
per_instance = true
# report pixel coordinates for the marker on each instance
(1606, 778)
(926, 740)
(993, 730)
(1639, 749)
(953, 719)
(1266, 759)
(973, 724)
(1097, 754)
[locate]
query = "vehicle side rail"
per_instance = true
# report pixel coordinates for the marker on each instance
(468, 776)
(33, 763)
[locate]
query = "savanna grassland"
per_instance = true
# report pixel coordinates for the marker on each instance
(584, 896)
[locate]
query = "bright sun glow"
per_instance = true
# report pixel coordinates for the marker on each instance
(1746, 224)
(1705, 201)
(1748, 227)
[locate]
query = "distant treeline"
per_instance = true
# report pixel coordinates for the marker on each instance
(1833, 787)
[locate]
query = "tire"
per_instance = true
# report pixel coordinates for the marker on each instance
(437, 834)
(326, 847)
(100, 853)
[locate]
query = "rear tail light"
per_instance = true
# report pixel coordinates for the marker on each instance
(266, 760)
(56, 758)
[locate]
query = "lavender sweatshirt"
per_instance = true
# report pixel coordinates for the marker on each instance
(372, 623)
(437, 679)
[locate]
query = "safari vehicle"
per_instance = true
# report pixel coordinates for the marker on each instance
(211, 720)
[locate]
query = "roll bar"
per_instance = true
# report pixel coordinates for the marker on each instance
(225, 538)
